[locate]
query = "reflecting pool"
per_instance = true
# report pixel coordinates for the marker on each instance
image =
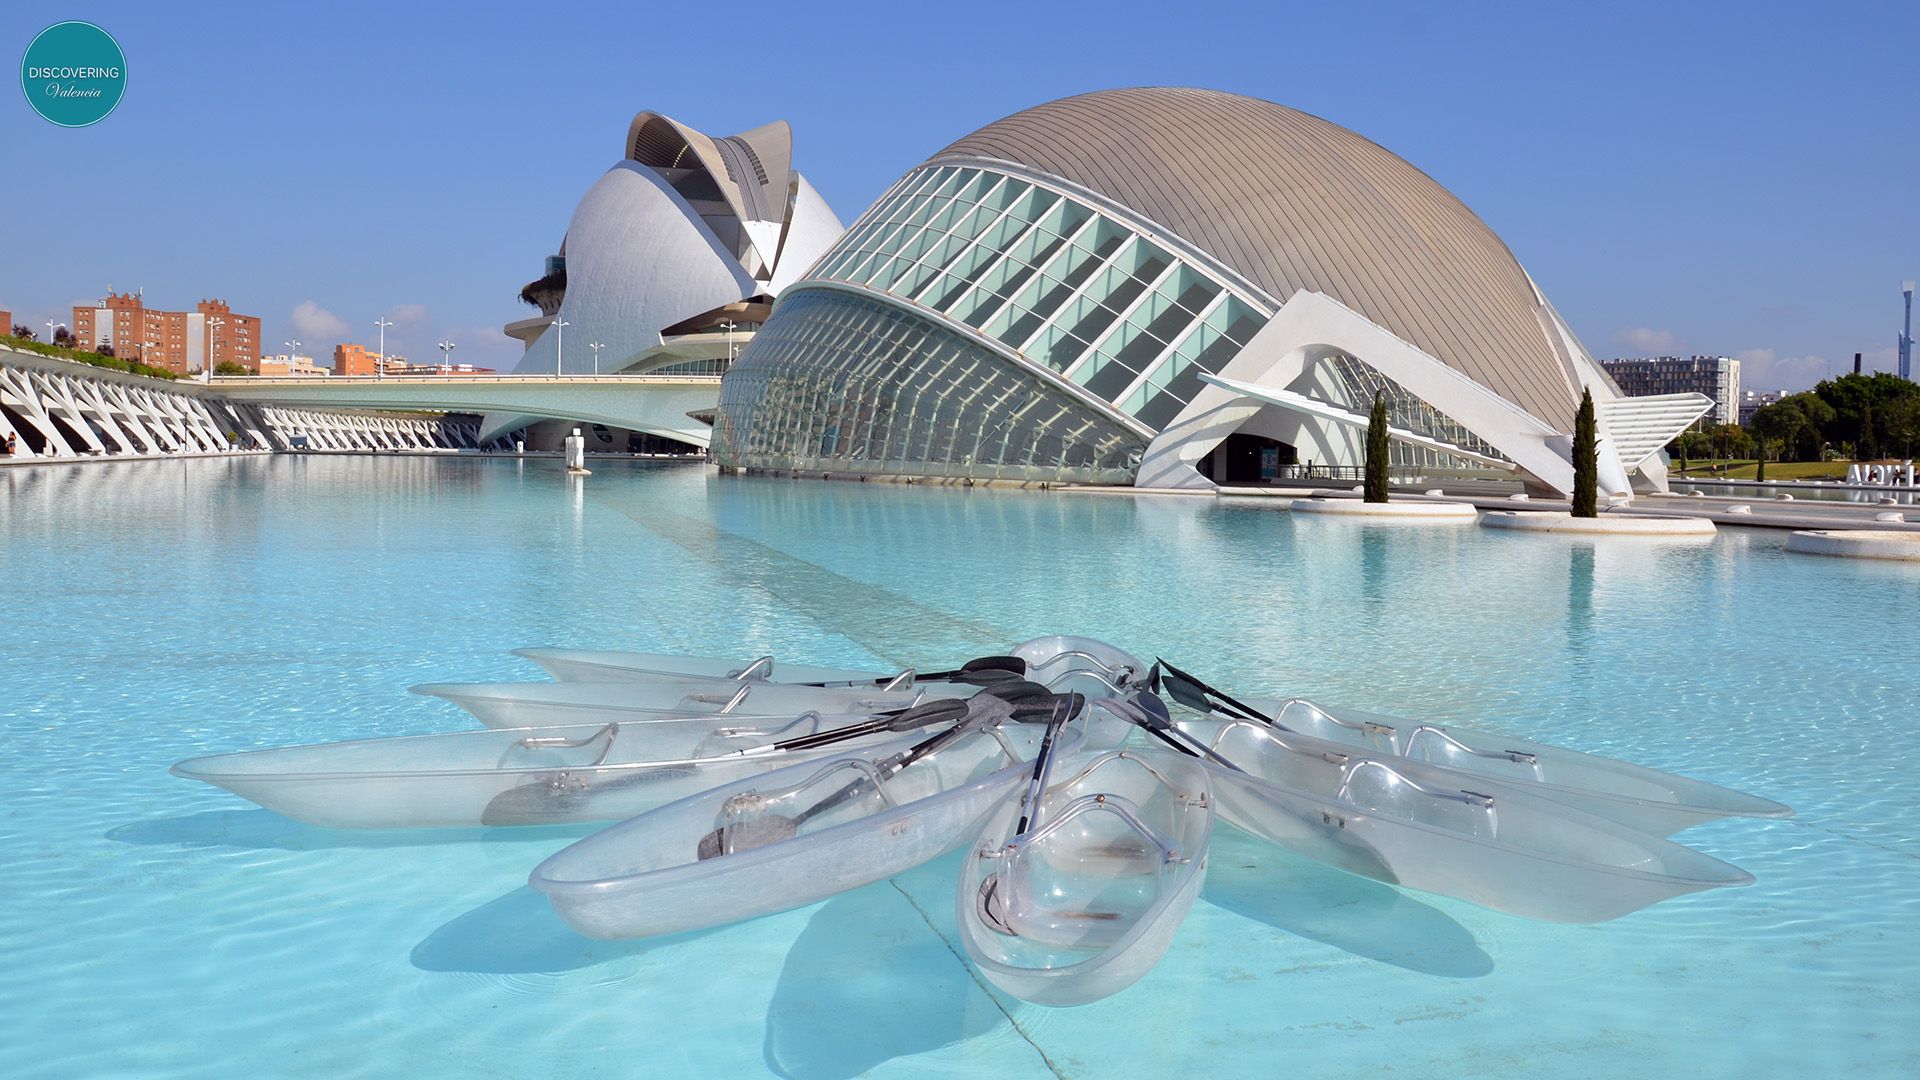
(157, 927)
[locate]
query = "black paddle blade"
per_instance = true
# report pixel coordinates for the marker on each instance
(1153, 712)
(986, 677)
(937, 711)
(980, 671)
(1042, 710)
(1183, 689)
(1017, 690)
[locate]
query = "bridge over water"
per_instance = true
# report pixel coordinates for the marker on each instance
(655, 404)
(59, 408)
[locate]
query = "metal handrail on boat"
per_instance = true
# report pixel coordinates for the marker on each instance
(561, 742)
(759, 669)
(1117, 805)
(1518, 757)
(1124, 671)
(1460, 795)
(1269, 732)
(1368, 727)
(753, 799)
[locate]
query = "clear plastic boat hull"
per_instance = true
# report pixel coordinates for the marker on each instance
(1088, 901)
(543, 704)
(1067, 664)
(1412, 824)
(616, 665)
(512, 776)
(647, 876)
(1653, 801)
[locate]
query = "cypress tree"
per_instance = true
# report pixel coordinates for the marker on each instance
(1760, 464)
(1586, 460)
(1376, 486)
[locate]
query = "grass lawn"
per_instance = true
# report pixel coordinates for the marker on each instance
(1776, 470)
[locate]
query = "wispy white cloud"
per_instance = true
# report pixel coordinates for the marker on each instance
(1643, 339)
(408, 316)
(316, 327)
(486, 346)
(1764, 369)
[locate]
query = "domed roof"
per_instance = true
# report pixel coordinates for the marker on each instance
(1291, 202)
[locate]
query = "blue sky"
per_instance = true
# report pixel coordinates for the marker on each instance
(1678, 177)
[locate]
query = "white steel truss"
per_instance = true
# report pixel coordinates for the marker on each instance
(60, 410)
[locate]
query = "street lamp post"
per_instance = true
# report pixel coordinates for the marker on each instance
(144, 346)
(50, 325)
(559, 346)
(596, 346)
(380, 365)
(446, 359)
(293, 354)
(213, 348)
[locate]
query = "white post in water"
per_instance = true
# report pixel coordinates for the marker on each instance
(576, 454)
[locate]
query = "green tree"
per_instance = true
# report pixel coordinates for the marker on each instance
(1860, 406)
(1903, 424)
(228, 367)
(1586, 460)
(23, 332)
(1797, 423)
(1376, 485)
(1759, 459)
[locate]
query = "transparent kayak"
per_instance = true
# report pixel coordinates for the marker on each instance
(1414, 824)
(1653, 801)
(796, 836)
(1062, 662)
(521, 776)
(540, 704)
(1085, 900)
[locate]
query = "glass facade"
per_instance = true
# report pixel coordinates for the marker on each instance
(1359, 382)
(1071, 289)
(886, 376)
(843, 383)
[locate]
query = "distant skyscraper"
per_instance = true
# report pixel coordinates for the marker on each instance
(1718, 377)
(1906, 334)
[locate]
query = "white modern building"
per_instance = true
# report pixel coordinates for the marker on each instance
(1173, 288)
(1718, 377)
(673, 256)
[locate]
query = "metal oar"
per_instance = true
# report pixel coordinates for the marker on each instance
(982, 711)
(1146, 711)
(981, 671)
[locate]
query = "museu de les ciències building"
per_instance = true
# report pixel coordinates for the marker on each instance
(1152, 286)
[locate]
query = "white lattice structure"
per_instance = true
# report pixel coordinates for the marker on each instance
(55, 413)
(326, 430)
(55, 409)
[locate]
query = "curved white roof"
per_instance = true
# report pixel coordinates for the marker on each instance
(1290, 201)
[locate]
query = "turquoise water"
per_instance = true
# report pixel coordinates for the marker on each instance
(1867, 496)
(156, 927)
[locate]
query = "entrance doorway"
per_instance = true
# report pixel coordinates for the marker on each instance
(1248, 459)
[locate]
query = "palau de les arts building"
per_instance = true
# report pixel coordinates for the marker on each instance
(1158, 287)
